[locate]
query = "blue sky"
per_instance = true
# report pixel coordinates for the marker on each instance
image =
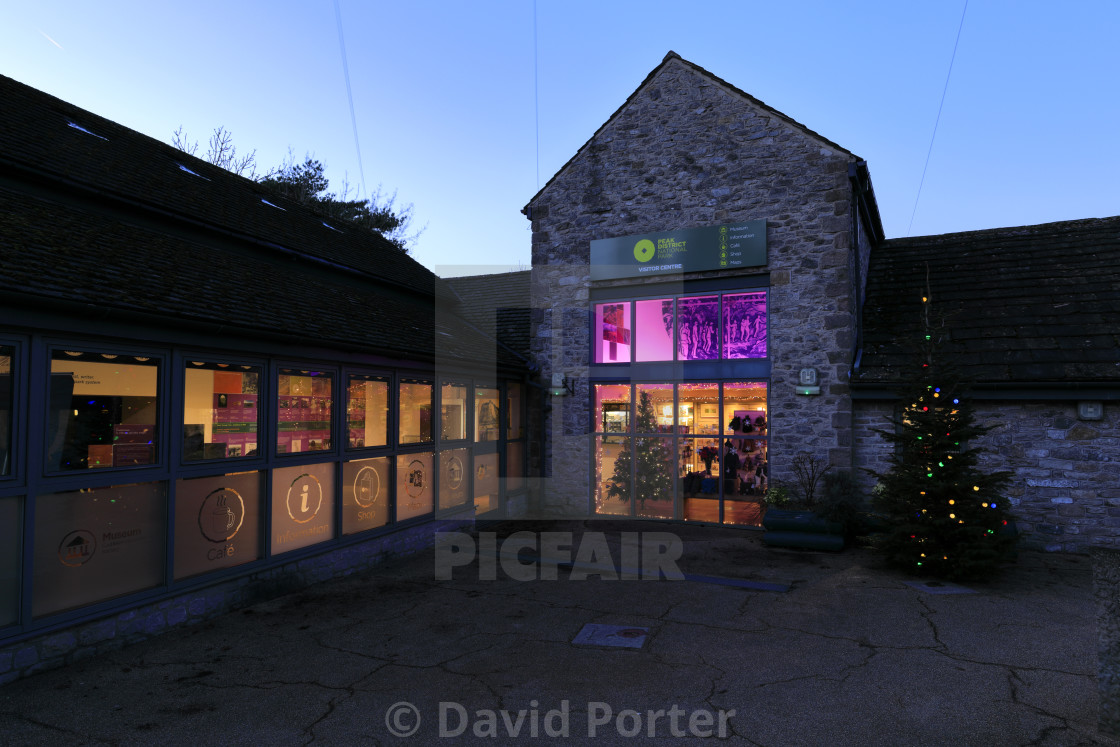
(447, 111)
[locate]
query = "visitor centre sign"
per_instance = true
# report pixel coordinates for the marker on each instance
(726, 247)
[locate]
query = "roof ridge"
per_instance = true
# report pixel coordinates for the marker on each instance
(1076, 224)
(670, 57)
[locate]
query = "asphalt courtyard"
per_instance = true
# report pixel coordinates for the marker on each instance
(755, 646)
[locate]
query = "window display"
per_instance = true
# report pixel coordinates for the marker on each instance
(304, 411)
(96, 544)
(612, 408)
(415, 412)
(685, 328)
(485, 414)
(608, 491)
(744, 325)
(302, 506)
(103, 410)
(414, 485)
(698, 328)
(221, 413)
(367, 411)
(716, 460)
(612, 333)
(217, 522)
(453, 412)
(366, 491)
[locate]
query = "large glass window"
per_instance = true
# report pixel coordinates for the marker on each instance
(453, 477)
(302, 506)
(366, 489)
(486, 483)
(612, 333)
(515, 465)
(97, 544)
(367, 411)
(698, 328)
(221, 412)
(685, 455)
(653, 327)
(305, 409)
(415, 423)
(217, 522)
(11, 551)
(744, 325)
(103, 410)
(6, 354)
(685, 328)
(453, 412)
(515, 424)
(612, 408)
(612, 475)
(414, 485)
(485, 414)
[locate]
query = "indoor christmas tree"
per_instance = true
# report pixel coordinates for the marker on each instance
(652, 479)
(947, 517)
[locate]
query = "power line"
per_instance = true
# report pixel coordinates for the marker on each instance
(536, 97)
(349, 94)
(938, 120)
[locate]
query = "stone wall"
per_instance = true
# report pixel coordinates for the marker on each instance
(1065, 493)
(688, 151)
(92, 637)
(870, 450)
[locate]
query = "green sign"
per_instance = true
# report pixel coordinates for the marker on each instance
(725, 247)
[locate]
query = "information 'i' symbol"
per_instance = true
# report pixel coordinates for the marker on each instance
(643, 250)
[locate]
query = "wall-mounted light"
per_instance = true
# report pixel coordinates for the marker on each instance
(1090, 410)
(562, 386)
(807, 382)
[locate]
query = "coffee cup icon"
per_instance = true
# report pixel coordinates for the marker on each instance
(222, 517)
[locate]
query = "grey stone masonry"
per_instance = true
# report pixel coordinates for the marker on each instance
(1065, 490)
(56, 648)
(1106, 592)
(688, 150)
(1065, 495)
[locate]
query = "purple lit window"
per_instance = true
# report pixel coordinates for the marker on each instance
(744, 325)
(612, 332)
(698, 328)
(653, 327)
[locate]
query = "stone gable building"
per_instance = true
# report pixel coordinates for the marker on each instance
(689, 150)
(710, 274)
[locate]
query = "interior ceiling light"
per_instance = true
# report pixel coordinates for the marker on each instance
(83, 129)
(108, 356)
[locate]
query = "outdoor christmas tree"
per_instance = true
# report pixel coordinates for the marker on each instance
(652, 479)
(947, 517)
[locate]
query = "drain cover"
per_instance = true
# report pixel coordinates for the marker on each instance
(626, 636)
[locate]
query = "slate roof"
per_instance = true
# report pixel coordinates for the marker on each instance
(1028, 305)
(498, 305)
(36, 136)
(95, 224)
